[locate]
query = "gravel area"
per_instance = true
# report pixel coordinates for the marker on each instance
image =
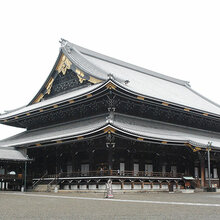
(77, 206)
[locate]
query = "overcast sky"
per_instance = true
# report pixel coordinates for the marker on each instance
(177, 38)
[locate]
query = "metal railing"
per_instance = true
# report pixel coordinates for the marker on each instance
(39, 180)
(54, 180)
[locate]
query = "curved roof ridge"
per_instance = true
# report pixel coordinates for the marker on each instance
(82, 62)
(94, 54)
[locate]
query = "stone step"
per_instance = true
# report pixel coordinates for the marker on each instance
(40, 188)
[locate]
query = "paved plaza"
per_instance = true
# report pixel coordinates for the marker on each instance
(95, 206)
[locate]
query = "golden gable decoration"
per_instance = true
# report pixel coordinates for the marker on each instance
(63, 65)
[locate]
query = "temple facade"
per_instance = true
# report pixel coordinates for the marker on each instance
(98, 118)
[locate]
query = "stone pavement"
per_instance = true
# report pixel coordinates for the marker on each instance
(16, 205)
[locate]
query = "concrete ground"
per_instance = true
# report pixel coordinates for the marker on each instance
(16, 205)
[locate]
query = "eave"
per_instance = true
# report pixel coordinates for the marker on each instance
(12, 154)
(69, 99)
(143, 98)
(82, 95)
(124, 126)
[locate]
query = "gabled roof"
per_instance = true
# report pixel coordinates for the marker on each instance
(98, 68)
(135, 128)
(151, 84)
(89, 53)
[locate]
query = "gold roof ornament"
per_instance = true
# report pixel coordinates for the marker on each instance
(165, 104)
(63, 65)
(38, 99)
(110, 86)
(49, 85)
(59, 141)
(194, 149)
(71, 101)
(109, 130)
(82, 78)
(94, 80)
(89, 96)
(80, 75)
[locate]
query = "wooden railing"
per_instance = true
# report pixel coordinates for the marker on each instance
(116, 173)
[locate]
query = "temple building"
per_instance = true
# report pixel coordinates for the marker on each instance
(97, 118)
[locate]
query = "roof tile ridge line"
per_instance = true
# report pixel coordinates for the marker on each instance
(166, 123)
(143, 71)
(128, 65)
(207, 99)
(79, 53)
(88, 61)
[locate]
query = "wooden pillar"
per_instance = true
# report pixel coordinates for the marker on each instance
(131, 166)
(132, 184)
(110, 144)
(191, 168)
(110, 153)
(151, 185)
(73, 158)
(187, 168)
(75, 162)
(160, 184)
(72, 161)
(142, 185)
(202, 167)
(122, 184)
(176, 184)
(45, 162)
(91, 159)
